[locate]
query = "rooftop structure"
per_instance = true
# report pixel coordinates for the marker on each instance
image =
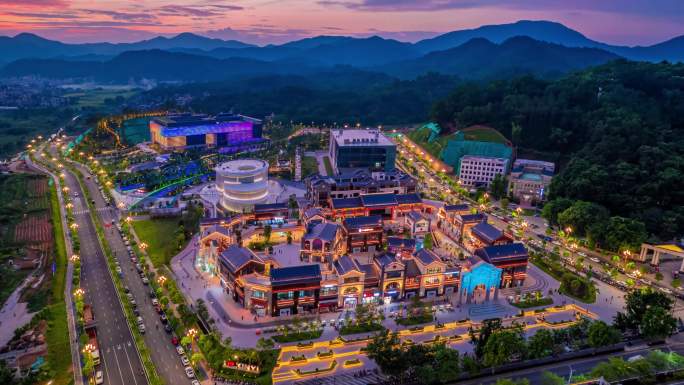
(242, 183)
(369, 149)
(530, 180)
(351, 183)
(459, 146)
(191, 130)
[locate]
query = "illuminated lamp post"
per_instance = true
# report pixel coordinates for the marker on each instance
(78, 293)
(161, 280)
(74, 226)
(75, 258)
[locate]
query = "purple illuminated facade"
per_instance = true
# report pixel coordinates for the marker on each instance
(226, 132)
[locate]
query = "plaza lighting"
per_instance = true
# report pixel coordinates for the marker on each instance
(81, 153)
(79, 292)
(60, 165)
(54, 159)
(192, 333)
(90, 157)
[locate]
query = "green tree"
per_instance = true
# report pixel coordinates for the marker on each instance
(553, 208)
(88, 364)
(657, 323)
(602, 334)
(382, 349)
(541, 344)
(504, 204)
(637, 303)
(267, 233)
(581, 215)
(503, 346)
(479, 337)
(498, 186)
(508, 381)
(427, 241)
(550, 378)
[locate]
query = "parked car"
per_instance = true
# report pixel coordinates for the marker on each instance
(594, 259)
(163, 318)
(179, 350)
(141, 328)
(189, 372)
(167, 328)
(185, 360)
(99, 379)
(145, 281)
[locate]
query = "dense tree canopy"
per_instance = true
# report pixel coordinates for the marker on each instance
(616, 131)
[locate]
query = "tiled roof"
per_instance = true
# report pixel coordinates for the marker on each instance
(235, 257)
(404, 243)
(501, 253)
(426, 256)
(269, 207)
(371, 274)
(459, 207)
(324, 231)
(408, 198)
(296, 274)
(345, 264)
(415, 216)
(378, 199)
(385, 259)
(486, 232)
(346, 203)
(470, 218)
(312, 211)
(412, 269)
(359, 222)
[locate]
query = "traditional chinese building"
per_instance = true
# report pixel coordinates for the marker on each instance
(387, 206)
(234, 262)
(295, 289)
(417, 223)
(391, 276)
(511, 258)
(464, 222)
(431, 273)
(322, 243)
(350, 282)
(482, 235)
(363, 234)
(401, 247)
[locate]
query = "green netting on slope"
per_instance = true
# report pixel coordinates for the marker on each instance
(458, 147)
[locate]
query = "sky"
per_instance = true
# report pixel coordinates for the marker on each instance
(624, 22)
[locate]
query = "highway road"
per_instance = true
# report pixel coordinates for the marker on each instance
(163, 353)
(120, 362)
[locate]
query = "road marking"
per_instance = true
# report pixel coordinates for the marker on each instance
(119, 366)
(104, 362)
(131, 366)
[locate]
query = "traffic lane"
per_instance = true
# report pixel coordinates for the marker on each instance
(163, 352)
(115, 344)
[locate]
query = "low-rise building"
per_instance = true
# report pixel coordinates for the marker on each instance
(530, 180)
(387, 206)
(483, 234)
(369, 149)
(511, 258)
(401, 247)
(322, 243)
(417, 223)
(350, 284)
(479, 171)
(363, 234)
(234, 262)
(295, 289)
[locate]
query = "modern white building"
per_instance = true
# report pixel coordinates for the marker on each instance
(242, 183)
(479, 171)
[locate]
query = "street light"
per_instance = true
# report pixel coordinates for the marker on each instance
(69, 205)
(74, 258)
(568, 230)
(79, 292)
(161, 280)
(74, 226)
(129, 219)
(121, 205)
(192, 333)
(143, 245)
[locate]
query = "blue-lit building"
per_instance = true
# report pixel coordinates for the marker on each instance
(228, 132)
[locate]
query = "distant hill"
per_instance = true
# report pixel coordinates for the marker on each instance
(480, 58)
(332, 50)
(27, 45)
(552, 32)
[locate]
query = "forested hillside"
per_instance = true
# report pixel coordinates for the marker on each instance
(617, 131)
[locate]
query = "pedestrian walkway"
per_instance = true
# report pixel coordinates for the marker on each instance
(488, 310)
(344, 379)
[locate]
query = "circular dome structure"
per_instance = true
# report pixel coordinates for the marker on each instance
(242, 183)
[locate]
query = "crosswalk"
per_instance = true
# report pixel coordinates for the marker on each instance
(346, 379)
(87, 211)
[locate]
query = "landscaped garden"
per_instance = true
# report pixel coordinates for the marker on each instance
(417, 312)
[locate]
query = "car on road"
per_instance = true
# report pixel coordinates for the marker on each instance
(594, 259)
(180, 350)
(130, 296)
(167, 328)
(195, 382)
(99, 378)
(163, 318)
(140, 320)
(185, 360)
(174, 340)
(126, 290)
(118, 269)
(189, 372)
(141, 328)
(582, 254)
(136, 311)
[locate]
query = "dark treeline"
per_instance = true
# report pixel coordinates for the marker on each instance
(340, 96)
(616, 130)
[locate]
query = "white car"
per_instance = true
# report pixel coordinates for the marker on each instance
(195, 382)
(180, 350)
(595, 259)
(141, 328)
(582, 254)
(185, 360)
(189, 372)
(99, 379)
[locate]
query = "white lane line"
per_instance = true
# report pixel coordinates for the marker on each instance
(119, 366)
(104, 362)
(129, 364)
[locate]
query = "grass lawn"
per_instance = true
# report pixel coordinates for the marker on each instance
(420, 136)
(484, 134)
(328, 166)
(58, 280)
(309, 166)
(160, 235)
(59, 351)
